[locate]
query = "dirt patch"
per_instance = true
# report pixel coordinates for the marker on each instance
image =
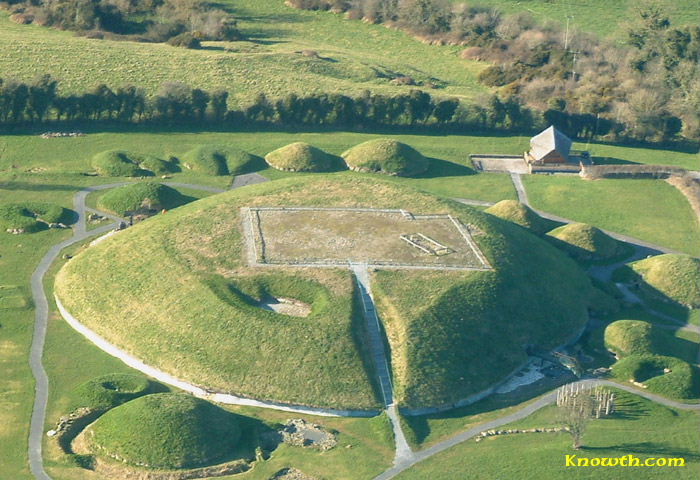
(285, 306)
(336, 236)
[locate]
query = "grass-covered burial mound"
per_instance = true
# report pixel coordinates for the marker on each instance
(221, 160)
(302, 157)
(585, 241)
(187, 301)
(29, 217)
(516, 212)
(123, 163)
(675, 276)
(108, 391)
(385, 155)
(166, 431)
(142, 196)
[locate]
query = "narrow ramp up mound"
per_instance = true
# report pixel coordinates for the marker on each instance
(674, 276)
(387, 156)
(166, 430)
(516, 212)
(585, 241)
(302, 157)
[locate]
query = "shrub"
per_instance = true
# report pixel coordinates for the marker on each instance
(385, 155)
(302, 157)
(185, 40)
(166, 430)
(144, 195)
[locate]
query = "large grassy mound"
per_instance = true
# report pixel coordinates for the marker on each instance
(165, 430)
(301, 157)
(385, 155)
(122, 163)
(221, 160)
(138, 196)
(31, 216)
(628, 337)
(200, 321)
(674, 276)
(585, 241)
(516, 212)
(667, 376)
(108, 391)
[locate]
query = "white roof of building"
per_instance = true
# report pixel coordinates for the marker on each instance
(548, 141)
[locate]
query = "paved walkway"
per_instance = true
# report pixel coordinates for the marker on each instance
(403, 451)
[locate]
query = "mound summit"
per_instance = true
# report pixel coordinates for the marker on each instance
(385, 155)
(301, 157)
(452, 333)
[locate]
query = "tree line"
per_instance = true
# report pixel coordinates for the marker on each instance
(181, 22)
(39, 102)
(649, 85)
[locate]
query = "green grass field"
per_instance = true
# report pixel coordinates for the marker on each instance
(602, 18)
(353, 57)
(640, 428)
(622, 206)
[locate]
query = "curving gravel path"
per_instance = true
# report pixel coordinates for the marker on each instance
(405, 458)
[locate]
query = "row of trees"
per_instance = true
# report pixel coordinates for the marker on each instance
(39, 101)
(143, 20)
(649, 86)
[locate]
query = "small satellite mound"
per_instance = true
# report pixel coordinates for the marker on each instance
(426, 244)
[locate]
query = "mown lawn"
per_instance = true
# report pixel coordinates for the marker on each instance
(640, 428)
(19, 255)
(650, 210)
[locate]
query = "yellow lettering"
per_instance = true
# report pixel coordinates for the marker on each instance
(633, 459)
(570, 461)
(610, 462)
(582, 462)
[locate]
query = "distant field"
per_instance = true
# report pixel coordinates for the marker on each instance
(650, 210)
(353, 57)
(596, 16)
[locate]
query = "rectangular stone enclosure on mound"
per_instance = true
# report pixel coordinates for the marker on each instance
(336, 236)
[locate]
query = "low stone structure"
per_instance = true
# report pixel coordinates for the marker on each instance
(300, 433)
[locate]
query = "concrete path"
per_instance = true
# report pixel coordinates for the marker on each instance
(403, 451)
(517, 180)
(247, 179)
(524, 412)
(631, 297)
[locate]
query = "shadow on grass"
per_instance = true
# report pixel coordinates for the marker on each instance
(442, 168)
(648, 448)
